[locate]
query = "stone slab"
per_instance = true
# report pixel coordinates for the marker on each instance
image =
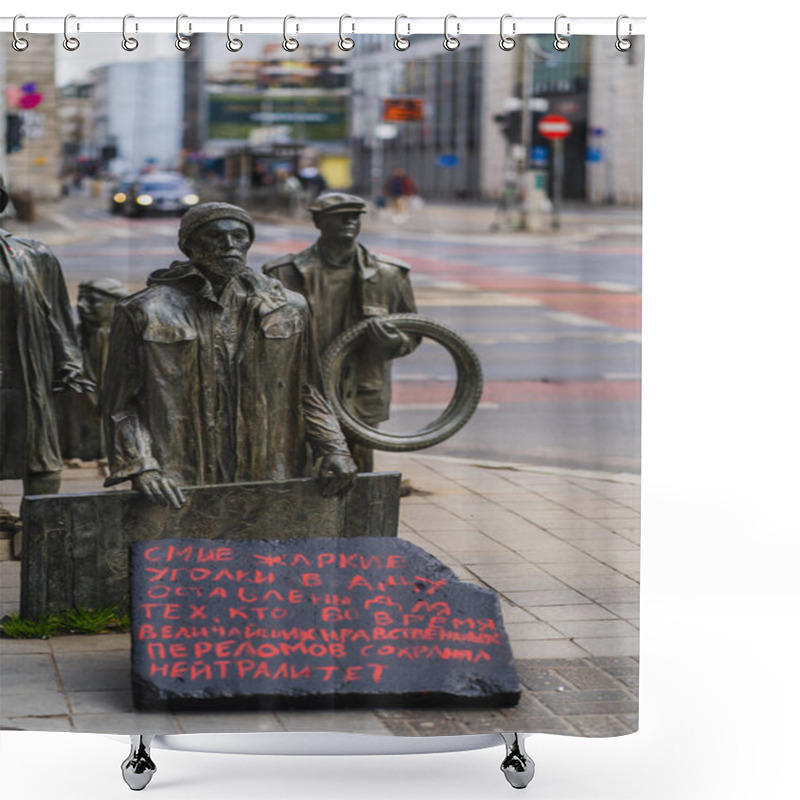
(75, 551)
(324, 623)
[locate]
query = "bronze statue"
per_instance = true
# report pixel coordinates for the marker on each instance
(79, 419)
(212, 377)
(344, 284)
(39, 355)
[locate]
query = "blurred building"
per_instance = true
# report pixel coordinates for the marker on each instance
(30, 138)
(454, 120)
(268, 113)
(76, 112)
(139, 112)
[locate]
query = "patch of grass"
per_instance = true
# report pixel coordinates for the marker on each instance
(72, 621)
(14, 627)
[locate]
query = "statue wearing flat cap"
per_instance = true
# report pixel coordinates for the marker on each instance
(39, 355)
(212, 376)
(344, 284)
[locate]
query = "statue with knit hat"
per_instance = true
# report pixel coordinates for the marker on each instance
(212, 376)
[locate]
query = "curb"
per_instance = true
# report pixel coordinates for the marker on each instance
(563, 472)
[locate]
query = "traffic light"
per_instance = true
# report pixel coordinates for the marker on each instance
(14, 133)
(510, 125)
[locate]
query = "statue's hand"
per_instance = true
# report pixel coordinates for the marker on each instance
(74, 380)
(387, 336)
(155, 487)
(337, 474)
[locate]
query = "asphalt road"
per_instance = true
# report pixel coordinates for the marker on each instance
(556, 325)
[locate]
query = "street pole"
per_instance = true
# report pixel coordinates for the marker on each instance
(558, 181)
(377, 167)
(525, 80)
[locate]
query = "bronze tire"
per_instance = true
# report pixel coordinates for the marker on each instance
(467, 394)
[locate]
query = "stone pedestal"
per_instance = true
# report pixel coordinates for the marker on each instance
(75, 547)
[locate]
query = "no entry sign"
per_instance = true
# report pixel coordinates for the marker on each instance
(554, 126)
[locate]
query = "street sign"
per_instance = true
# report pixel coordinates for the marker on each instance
(403, 109)
(539, 156)
(554, 126)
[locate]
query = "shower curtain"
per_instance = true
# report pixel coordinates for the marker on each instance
(498, 193)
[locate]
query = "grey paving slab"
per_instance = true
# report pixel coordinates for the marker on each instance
(551, 648)
(557, 553)
(91, 644)
(125, 724)
(347, 721)
(525, 631)
(34, 704)
(438, 727)
(516, 569)
(19, 646)
(518, 583)
(94, 672)
(262, 722)
(587, 676)
(620, 645)
(512, 613)
(53, 724)
(599, 725)
(592, 701)
(101, 701)
(586, 611)
(461, 540)
(24, 673)
(497, 555)
(547, 597)
(591, 582)
(625, 610)
(621, 595)
(575, 527)
(432, 522)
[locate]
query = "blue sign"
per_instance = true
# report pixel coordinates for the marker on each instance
(448, 160)
(594, 155)
(539, 156)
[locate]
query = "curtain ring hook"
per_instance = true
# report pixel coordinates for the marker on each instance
(560, 42)
(233, 44)
(71, 43)
(18, 43)
(451, 42)
(400, 42)
(128, 42)
(623, 45)
(289, 44)
(181, 41)
(507, 42)
(345, 42)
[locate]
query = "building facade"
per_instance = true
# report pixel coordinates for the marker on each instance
(139, 111)
(31, 142)
(471, 138)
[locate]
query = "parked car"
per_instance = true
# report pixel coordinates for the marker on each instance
(160, 193)
(119, 195)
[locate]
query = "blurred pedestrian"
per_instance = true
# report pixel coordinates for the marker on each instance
(313, 181)
(399, 188)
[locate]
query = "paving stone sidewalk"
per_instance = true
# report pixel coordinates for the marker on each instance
(560, 548)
